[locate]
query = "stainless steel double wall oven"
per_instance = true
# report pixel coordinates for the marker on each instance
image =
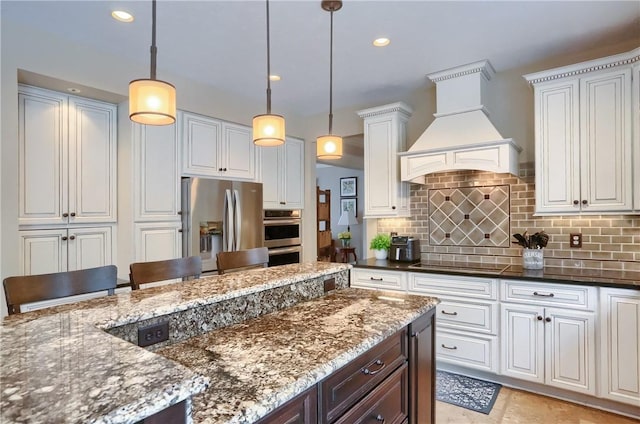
(282, 229)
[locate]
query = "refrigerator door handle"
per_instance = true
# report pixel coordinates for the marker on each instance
(227, 222)
(238, 219)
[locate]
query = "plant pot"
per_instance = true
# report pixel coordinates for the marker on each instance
(380, 253)
(345, 242)
(532, 259)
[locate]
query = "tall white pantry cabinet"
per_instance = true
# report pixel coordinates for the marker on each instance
(67, 181)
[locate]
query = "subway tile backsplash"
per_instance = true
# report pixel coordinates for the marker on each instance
(608, 241)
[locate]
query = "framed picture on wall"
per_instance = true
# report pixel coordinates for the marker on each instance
(349, 205)
(348, 186)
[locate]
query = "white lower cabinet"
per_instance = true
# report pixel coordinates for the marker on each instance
(64, 249)
(157, 241)
(620, 345)
(546, 344)
(378, 279)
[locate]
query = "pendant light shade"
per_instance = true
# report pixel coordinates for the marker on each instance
(330, 146)
(151, 101)
(268, 129)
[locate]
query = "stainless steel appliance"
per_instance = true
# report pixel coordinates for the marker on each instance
(404, 249)
(220, 215)
(282, 229)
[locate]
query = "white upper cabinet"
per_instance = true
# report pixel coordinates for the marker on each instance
(216, 149)
(636, 134)
(67, 159)
(282, 175)
(157, 179)
(584, 137)
(384, 136)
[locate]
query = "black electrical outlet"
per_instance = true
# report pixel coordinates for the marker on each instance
(329, 284)
(153, 334)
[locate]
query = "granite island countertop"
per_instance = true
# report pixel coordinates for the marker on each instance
(580, 276)
(260, 364)
(59, 365)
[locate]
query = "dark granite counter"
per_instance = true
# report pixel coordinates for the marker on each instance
(582, 276)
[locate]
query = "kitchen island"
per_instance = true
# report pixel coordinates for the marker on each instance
(281, 331)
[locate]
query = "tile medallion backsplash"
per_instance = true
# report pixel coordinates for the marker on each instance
(469, 216)
(608, 241)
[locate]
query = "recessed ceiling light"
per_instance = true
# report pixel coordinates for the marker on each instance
(74, 90)
(381, 42)
(122, 16)
(274, 77)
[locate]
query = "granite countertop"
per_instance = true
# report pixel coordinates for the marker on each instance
(58, 365)
(582, 276)
(258, 365)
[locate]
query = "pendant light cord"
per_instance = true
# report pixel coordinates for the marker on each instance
(268, 65)
(331, 78)
(154, 49)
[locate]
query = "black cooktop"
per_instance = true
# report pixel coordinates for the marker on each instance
(461, 267)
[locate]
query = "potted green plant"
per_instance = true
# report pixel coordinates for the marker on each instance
(345, 238)
(380, 245)
(532, 257)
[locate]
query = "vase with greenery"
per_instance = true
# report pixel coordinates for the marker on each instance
(345, 238)
(532, 256)
(380, 245)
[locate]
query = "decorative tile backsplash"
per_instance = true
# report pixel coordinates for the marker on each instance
(469, 216)
(608, 241)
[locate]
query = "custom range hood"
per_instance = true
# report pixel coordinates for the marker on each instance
(462, 137)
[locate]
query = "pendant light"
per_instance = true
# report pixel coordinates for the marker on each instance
(151, 101)
(268, 129)
(330, 146)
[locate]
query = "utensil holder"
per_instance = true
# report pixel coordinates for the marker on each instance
(532, 259)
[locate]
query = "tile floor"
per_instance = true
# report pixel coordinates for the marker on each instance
(519, 407)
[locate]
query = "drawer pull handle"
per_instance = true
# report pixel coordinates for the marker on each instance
(449, 347)
(454, 313)
(380, 418)
(375, 279)
(378, 362)
(542, 294)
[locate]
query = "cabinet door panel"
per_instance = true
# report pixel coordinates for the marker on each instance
(557, 151)
(158, 241)
(89, 247)
(201, 143)
(157, 180)
(42, 153)
(379, 186)
(522, 339)
(294, 174)
(239, 152)
(606, 141)
(43, 251)
(570, 350)
(92, 161)
(271, 164)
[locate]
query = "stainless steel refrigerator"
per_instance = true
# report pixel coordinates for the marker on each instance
(220, 215)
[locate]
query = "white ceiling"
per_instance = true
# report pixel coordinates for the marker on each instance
(222, 43)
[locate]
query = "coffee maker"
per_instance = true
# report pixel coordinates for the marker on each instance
(404, 249)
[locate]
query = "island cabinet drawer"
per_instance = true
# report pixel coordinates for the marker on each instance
(452, 285)
(569, 296)
(301, 409)
(344, 388)
(479, 352)
(479, 317)
(387, 403)
(378, 279)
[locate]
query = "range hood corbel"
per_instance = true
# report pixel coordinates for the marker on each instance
(462, 137)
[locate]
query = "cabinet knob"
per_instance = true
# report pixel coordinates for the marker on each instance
(393, 207)
(539, 318)
(219, 169)
(547, 319)
(380, 418)
(584, 202)
(179, 212)
(72, 237)
(224, 169)
(64, 238)
(179, 230)
(64, 215)
(72, 214)
(575, 202)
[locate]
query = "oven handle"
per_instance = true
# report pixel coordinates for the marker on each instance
(281, 250)
(271, 222)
